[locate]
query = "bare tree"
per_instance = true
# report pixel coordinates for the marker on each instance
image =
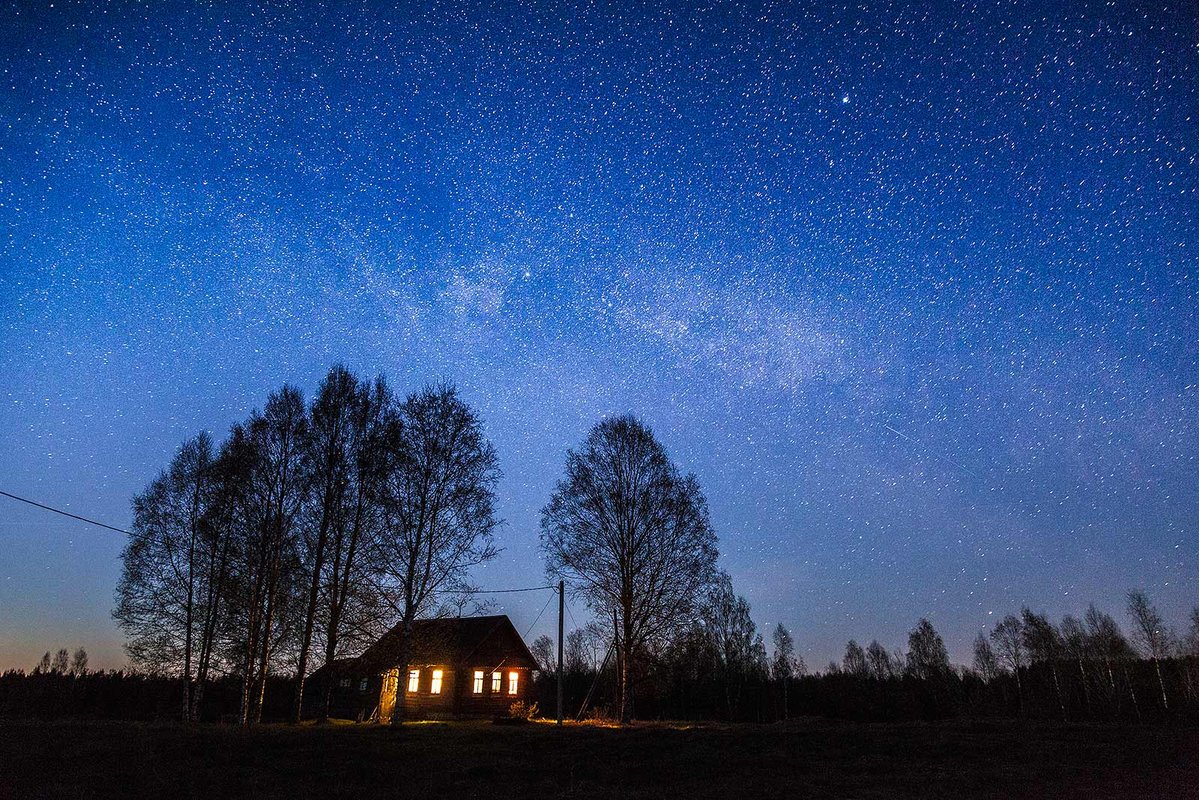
(265, 578)
(164, 595)
(1008, 638)
(1044, 646)
(880, 663)
(854, 661)
(354, 605)
(1107, 643)
(985, 663)
(927, 656)
(586, 648)
(62, 662)
(1150, 635)
(1075, 644)
(632, 537)
(782, 666)
(544, 653)
(437, 496)
(43, 666)
(341, 467)
(79, 663)
(736, 645)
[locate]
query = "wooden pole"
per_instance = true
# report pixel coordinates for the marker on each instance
(561, 610)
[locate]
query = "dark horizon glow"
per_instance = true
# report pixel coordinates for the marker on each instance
(911, 290)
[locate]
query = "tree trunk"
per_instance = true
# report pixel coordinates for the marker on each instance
(625, 664)
(1157, 666)
(1132, 691)
(1057, 689)
(401, 704)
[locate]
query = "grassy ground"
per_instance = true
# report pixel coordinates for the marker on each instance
(804, 759)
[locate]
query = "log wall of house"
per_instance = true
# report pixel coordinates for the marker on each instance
(457, 697)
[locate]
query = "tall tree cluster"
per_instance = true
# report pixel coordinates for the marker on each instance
(306, 531)
(1088, 667)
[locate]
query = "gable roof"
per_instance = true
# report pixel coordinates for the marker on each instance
(464, 641)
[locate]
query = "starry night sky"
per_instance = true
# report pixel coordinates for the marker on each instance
(911, 288)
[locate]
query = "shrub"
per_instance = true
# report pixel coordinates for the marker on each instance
(522, 710)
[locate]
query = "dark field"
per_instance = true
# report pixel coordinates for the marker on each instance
(799, 760)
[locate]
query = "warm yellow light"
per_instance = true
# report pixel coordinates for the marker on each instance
(413, 679)
(435, 688)
(477, 688)
(496, 678)
(513, 679)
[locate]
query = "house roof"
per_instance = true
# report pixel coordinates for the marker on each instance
(465, 641)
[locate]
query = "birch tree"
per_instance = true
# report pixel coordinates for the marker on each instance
(437, 497)
(783, 665)
(985, 663)
(1008, 638)
(1043, 644)
(166, 597)
(631, 535)
(1151, 635)
(927, 656)
(265, 585)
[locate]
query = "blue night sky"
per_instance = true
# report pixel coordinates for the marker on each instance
(912, 289)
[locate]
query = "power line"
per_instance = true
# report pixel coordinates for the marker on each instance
(509, 591)
(131, 533)
(67, 513)
(538, 619)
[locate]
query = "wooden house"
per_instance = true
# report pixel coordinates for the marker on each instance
(464, 666)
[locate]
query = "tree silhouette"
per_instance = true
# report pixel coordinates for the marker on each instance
(632, 537)
(544, 654)
(985, 662)
(79, 663)
(437, 500)
(165, 594)
(1151, 635)
(854, 661)
(927, 656)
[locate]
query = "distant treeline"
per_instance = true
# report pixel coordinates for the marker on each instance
(1028, 666)
(123, 695)
(718, 668)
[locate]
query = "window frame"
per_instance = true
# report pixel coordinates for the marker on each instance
(435, 681)
(513, 683)
(413, 685)
(476, 687)
(497, 682)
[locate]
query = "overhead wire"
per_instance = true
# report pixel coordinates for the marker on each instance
(88, 520)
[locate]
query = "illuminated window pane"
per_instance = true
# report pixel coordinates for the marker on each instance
(435, 688)
(413, 679)
(495, 682)
(477, 688)
(513, 679)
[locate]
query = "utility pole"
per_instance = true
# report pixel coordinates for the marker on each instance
(561, 610)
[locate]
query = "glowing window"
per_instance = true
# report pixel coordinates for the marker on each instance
(413, 679)
(513, 679)
(495, 682)
(435, 687)
(477, 687)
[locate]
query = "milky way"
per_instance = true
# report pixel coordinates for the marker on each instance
(911, 289)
